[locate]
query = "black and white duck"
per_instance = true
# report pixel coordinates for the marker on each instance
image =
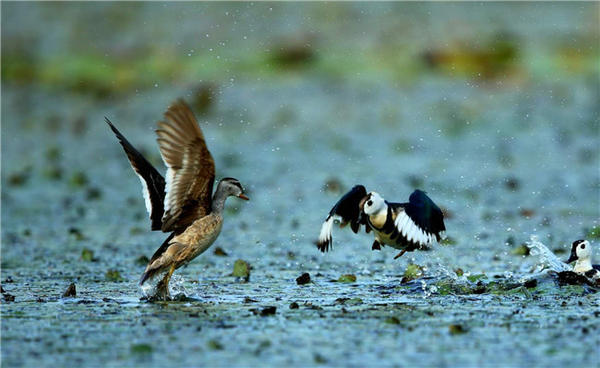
(405, 226)
(184, 205)
(581, 254)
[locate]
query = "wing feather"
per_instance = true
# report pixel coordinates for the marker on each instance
(190, 168)
(420, 220)
(153, 184)
(346, 210)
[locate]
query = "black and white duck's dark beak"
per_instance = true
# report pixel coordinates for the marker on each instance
(361, 209)
(243, 196)
(573, 257)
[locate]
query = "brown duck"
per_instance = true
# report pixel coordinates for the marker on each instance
(184, 205)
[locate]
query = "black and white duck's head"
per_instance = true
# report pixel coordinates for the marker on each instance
(230, 187)
(580, 251)
(373, 203)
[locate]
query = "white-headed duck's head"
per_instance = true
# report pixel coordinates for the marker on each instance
(580, 251)
(373, 203)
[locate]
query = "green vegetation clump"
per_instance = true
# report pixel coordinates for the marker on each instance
(594, 233)
(87, 255)
(241, 269)
(521, 250)
(52, 172)
(19, 178)
(412, 272)
(78, 179)
(456, 329)
(113, 276)
(477, 277)
(142, 260)
(448, 241)
(392, 320)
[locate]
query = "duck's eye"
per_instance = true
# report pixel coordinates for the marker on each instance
(582, 246)
(369, 202)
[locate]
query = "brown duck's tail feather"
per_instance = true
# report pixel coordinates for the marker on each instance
(162, 249)
(151, 272)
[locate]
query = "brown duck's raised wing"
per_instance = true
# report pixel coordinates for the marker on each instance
(190, 168)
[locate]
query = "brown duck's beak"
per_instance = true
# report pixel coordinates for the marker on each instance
(243, 196)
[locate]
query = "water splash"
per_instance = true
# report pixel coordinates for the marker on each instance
(148, 289)
(547, 259)
(428, 290)
(177, 286)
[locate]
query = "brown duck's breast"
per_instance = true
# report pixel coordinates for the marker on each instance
(198, 237)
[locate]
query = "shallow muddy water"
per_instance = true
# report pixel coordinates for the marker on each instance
(506, 158)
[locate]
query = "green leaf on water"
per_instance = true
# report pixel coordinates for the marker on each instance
(141, 349)
(392, 320)
(214, 345)
(241, 268)
(354, 301)
(347, 278)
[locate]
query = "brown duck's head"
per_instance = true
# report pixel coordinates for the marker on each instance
(232, 187)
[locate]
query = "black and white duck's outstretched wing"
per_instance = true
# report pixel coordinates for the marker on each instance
(420, 221)
(347, 211)
(153, 184)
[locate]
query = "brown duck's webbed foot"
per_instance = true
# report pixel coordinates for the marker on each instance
(162, 292)
(162, 288)
(400, 254)
(376, 245)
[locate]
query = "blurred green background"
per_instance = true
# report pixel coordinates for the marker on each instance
(113, 49)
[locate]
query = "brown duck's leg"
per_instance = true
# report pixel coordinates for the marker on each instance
(162, 288)
(400, 254)
(376, 245)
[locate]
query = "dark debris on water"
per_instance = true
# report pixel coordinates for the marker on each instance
(456, 329)
(266, 311)
(303, 279)
(220, 252)
(71, 291)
